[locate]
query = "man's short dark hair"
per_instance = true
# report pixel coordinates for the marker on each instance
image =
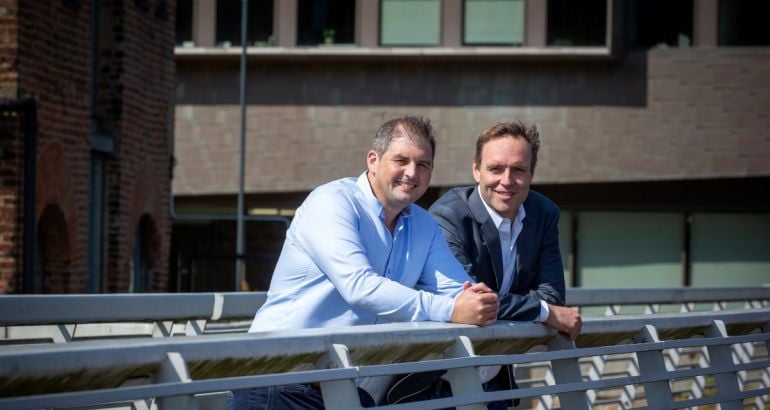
(417, 128)
(515, 129)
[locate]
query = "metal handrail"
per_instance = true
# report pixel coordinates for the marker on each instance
(93, 372)
(91, 308)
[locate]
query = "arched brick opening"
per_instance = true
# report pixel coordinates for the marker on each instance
(144, 256)
(52, 273)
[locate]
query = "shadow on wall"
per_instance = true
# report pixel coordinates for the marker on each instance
(470, 82)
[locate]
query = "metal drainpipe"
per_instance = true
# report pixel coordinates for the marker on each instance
(27, 106)
(30, 187)
(240, 263)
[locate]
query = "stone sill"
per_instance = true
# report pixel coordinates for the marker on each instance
(342, 52)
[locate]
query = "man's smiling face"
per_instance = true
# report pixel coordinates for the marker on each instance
(504, 174)
(402, 174)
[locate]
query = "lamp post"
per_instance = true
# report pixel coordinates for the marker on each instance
(240, 263)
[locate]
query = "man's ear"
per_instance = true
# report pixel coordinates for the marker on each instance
(371, 160)
(476, 172)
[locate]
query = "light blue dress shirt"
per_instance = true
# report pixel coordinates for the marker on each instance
(340, 265)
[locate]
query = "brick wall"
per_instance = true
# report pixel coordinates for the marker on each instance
(8, 48)
(10, 200)
(54, 69)
(666, 114)
(53, 65)
(10, 150)
(144, 38)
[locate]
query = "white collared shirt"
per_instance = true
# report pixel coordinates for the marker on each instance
(509, 232)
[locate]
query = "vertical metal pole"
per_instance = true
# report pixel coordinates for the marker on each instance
(464, 380)
(687, 250)
(239, 253)
(658, 393)
(32, 281)
(568, 371)
(721, 356)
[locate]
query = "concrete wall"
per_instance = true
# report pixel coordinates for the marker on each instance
(662, 114)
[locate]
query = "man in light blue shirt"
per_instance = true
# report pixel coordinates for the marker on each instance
(360, 252)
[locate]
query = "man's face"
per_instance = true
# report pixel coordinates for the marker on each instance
(402, 174)
(504, 174)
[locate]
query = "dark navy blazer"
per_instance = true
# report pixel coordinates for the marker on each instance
(475, 242)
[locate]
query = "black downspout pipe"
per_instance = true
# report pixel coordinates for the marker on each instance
(30, 190)
(27, 107)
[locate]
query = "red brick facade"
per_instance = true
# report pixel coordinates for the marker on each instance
(49, 58)
(10, 149)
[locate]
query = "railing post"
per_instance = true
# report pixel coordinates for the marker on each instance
(568, 371)
(464, 380)
(174, 369)
(163, 328)
(766, 373)
(65, 333)
(142, 404)
(339, 394)
(766, 329)
(722, 356)
(658, 394)
(195, 327)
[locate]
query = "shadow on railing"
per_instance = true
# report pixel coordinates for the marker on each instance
(663, 360)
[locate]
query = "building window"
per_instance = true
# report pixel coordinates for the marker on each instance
(410, 23)
(493, 22)
(260, 23)
(629, 249)
(161, 11)
(141, 257)
(143, 5)
(184, 16)
(742, 23)
(577, 23)
(52, 258)
(659, 22)
(325, 22)
(730, 249)
(72, 4)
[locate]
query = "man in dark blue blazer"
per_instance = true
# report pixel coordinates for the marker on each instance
(506, 235)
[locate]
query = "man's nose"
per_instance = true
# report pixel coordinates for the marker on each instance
(508, 178)
(410, 169)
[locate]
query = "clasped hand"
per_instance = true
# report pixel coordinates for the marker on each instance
(476, 305)
(565, 320)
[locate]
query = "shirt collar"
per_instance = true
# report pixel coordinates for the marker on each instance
(498, 219)
(373, 202)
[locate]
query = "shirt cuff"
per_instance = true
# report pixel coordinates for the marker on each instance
(441, 308)
(544, 312)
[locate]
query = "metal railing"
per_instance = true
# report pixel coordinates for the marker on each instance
(672, 360)
(64, 318)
